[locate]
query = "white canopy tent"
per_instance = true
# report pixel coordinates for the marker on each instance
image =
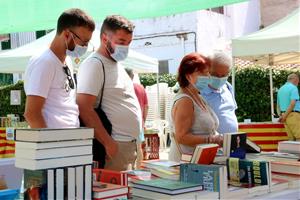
(16, 60)
(276, 44)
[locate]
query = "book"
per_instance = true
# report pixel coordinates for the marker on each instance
(88, 182)
(35, 184)
(186, 157)
(79, 184)
(71, 187)
(108, 190)
(53, 163)
(59, 183)
(172, 174)
(289, 147)
(252, 147)
(136, 192)
(212, 177)
(293, 180)
(163, 164)
(235, 145)
(110, 176)
(60, 152)
(49, 145)
(47, 135)
(278, 184)
(288, 167)
(165, 186)
(204, 153)
(248, 173)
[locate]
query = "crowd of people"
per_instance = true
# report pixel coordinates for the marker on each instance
(202, 111)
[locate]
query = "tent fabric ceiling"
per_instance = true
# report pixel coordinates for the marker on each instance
(282, 37)
(16, 60)
(33, 15)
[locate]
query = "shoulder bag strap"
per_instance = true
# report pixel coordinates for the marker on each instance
(102, 89)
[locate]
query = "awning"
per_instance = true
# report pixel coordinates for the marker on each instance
(32, 15)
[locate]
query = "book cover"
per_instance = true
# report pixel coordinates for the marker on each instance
(252, 147)
(79, 182)
(204, 154)
(168, 186)
(159, 163)
(235, 145)
(248, 173)
(107, 190)
(71, 180)
(59, 183)
(88, 182)
(47, 135)
(35, 184)
(212, 177)
(110, 176)
(186, 157)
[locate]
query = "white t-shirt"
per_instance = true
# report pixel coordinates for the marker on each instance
(119, 101)
(44, 76)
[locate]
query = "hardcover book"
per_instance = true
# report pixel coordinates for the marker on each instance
(204, 153)
(235, 145)
(110, 176)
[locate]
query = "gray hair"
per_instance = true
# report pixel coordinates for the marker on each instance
(292, 77)
(219, 57)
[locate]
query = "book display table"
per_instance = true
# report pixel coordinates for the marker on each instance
(264, 134)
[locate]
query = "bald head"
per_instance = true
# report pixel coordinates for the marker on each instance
(293, 78)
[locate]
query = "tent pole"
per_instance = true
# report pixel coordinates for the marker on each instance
(271, 86)
(158, 102)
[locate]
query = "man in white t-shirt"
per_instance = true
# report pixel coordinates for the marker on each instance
(49, 83)
(119, 101)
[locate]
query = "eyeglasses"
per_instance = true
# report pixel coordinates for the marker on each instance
(70, 81)
(83, 42)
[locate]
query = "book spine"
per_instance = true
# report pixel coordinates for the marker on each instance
(71, 182)
(50, 184)
(59, 183)
(88, 182)
(79, 182)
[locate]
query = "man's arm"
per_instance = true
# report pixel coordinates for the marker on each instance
(90, 118)
(33, 111)
(288, 111)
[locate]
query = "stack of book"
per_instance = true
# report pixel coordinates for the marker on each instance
(107, 191)
(166, 189)
(57, 162)
(289, 147)
(162, 168)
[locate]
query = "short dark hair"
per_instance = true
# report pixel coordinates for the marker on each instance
(116, 22)
(74, 18)
(189, 64)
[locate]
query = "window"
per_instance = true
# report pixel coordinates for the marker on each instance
(163, 67)
(6, 44)
(219, 10)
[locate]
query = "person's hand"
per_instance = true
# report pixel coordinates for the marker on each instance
(216, 139)
(282, 118)
(111, 149)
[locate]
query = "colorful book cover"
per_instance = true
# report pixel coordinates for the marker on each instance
(207, 154)
(206, 175)
(248, 173)
(35, 184)
(110, 176)
(238, 145)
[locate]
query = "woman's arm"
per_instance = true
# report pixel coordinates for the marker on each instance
(183, 117)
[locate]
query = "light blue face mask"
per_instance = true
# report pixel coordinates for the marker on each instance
(216, 82)
(202, 82)
(120, 53)
(78, 51)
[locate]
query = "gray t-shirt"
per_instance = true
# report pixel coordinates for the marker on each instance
(119, 101)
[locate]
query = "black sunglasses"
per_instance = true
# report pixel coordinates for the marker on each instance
(83, 42)
(69, 77)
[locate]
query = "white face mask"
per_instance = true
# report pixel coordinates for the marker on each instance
(120, 53)
(78, 51)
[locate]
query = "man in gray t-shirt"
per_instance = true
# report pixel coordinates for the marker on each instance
(119, 101)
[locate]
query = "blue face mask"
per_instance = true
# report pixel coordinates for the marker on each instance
(216, 82)
(202, 82)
